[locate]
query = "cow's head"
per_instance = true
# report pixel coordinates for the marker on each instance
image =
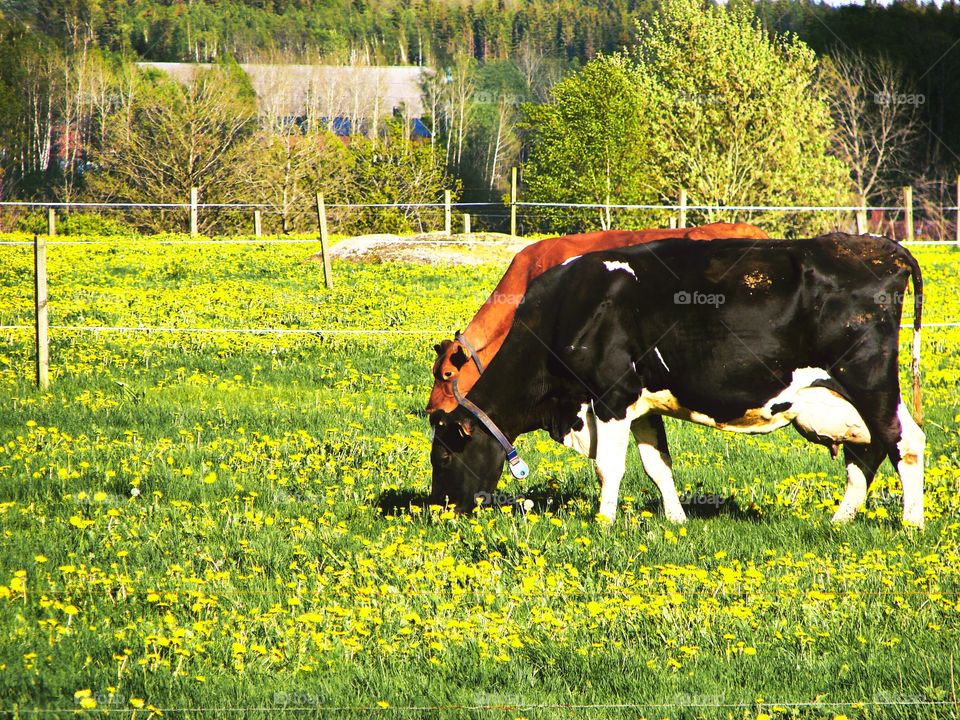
(452, 363)
(466, 459)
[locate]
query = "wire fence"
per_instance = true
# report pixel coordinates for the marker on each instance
(386, 709)
(940, 222)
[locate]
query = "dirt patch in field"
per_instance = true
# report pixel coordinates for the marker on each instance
(429, 248)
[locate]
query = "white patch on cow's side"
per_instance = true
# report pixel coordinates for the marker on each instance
(659, 468)
(855, 495)
(613, 437)
(613, 265)
(824, 416)
(910, 468)
(818, 412)
(584, 439)
(662, 361)
(570, 260)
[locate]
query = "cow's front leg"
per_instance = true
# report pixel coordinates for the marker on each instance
(651, 439)
(613, 439)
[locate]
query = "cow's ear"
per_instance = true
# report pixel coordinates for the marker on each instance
(442, 346)
(466, 427)
(459, 358)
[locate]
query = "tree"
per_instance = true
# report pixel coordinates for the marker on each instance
(290, 167)
(875, 114)
(745, 121)
(394, 169)
(594, 142)
(173, 137)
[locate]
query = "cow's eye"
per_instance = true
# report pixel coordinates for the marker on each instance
(448, 374)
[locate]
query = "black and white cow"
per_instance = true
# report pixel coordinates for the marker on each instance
(737, 334)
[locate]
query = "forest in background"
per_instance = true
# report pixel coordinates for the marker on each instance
(492, 56)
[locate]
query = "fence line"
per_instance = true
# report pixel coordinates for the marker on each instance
(297, 331)
(242, 241)
(236, 331)
(238, 206)
(752, 208)
(147, 240)
(519, 203)
(504, 707)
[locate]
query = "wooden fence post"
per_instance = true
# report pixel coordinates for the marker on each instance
(862, 217)
(40, 310)
(51, 221)
(683, 207)
(447, 213)
(257, 227)
(513, 202)
(908, 209)
(193, 211)
(324, 253)
(466, 222)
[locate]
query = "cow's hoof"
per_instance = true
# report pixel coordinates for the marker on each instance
(842, 517)
(675, 515)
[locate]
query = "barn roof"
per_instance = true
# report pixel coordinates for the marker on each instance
(301, 90)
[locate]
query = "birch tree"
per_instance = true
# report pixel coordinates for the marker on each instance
(876, 119)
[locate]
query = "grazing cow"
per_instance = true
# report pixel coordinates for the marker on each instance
(486, 332)
(731, 334)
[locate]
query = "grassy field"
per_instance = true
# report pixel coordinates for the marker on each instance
(194, 521)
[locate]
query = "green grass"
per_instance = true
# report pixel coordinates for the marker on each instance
(198, 522)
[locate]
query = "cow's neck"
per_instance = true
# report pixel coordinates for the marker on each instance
(510, 394)
(491, 325)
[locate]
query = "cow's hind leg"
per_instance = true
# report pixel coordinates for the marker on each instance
(893, 432)
(907, 456)
(862, 462)
(651, 439)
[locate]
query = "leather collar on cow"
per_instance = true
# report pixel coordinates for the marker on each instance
(462, 339)
(518, 468)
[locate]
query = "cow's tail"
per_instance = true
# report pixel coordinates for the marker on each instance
(917, 277)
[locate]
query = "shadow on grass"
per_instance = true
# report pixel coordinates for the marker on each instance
(393, 502)
(714, 507)
(544, 500)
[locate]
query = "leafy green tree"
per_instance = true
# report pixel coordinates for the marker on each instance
(745, 120)
(594, 142)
